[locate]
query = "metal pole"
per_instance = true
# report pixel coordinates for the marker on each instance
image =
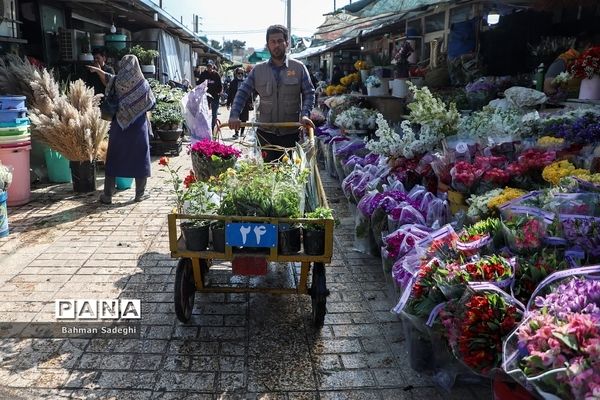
(160, 3)
(334, 7)
(289, 18)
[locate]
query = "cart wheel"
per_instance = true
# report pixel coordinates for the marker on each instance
(185, 290)
(319, 293)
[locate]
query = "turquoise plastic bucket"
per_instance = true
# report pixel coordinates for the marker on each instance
(3, 214)
(58, 167)
(124, 183)
(12, 102)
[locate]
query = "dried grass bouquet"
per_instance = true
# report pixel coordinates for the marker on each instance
(69, 122)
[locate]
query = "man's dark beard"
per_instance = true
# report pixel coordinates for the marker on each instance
(277, 58)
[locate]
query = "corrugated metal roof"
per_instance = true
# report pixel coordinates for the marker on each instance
(395, 6)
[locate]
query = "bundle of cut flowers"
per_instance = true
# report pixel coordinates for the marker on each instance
(523, 232)
(558, 346)
(473, 238)
(575, 128)
(477, 328)
(211, 158)
(587, 64)
(533, 269)
(356, 118)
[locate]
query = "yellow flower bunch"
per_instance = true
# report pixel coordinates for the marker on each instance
(349, 79)
(333, 90)
(554, 172)
(360, 64)
(550, 141)
(507, 195)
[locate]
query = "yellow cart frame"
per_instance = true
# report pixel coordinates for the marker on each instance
(193, 266)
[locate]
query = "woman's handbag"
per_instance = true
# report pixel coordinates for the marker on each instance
(109, 105)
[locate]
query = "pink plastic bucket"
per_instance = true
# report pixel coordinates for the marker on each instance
(19, 192)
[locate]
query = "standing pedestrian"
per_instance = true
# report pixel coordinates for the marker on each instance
(128, 153)
(233, 88)
(286, 94)
(215, 87)
(98, 78)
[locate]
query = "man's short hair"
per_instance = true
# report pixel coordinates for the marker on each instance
(99, 50)
(278, 29)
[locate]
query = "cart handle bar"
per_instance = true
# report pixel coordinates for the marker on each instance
(268, 124)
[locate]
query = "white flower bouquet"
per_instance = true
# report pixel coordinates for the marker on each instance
(373, 81)
(356, 118)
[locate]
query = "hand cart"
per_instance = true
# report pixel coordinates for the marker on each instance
(193, 266)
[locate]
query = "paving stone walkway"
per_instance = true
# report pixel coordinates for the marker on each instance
(237, 346)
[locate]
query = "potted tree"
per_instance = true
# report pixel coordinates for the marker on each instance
(146, 58)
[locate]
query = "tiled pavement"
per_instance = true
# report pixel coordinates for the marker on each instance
(237, 346)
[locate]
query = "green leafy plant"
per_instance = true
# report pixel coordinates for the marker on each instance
(167, 115)
(320, 213)
(145, 57)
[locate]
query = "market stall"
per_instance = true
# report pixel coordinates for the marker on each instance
(483, 220)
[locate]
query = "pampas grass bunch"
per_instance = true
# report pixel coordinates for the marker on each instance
(70, 122)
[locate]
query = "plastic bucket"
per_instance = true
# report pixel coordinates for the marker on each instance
(58, 166)
(3, 214)
(19, 192)
(14, 130)
(12, 115)
(124, 183)
(12, 102)
(15, 141)
(15, 123)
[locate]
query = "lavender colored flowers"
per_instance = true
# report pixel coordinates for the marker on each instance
(575, 296)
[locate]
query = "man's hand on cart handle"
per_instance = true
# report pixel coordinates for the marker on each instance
(234, 124)
(307, 122)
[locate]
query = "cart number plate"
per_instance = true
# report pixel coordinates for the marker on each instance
(251, 235)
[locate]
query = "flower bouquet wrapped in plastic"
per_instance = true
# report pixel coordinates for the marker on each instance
(524, 228)
(364, 241)
(582, 231)
(556, 349)
(476, 329)
(473, 239)
(465, 176)
(342, 150)
(533, 269)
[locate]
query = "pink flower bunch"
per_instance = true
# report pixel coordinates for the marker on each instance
(524, 232)
(490, 162)
(209, 148)
(496, 176)
(552, 343)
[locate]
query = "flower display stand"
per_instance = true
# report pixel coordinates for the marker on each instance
(590, 89)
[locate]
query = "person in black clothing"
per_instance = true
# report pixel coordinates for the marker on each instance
(214, 88)
(312, 76)
(233, 87)
(98, 80)
(337, 75)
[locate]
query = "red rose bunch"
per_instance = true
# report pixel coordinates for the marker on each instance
(483, 322)
(189, 179)
(425, 294)
(490, 162)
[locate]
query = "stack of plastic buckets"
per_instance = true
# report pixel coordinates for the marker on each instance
(15, 145)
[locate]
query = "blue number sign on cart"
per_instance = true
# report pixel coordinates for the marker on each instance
(251, 235)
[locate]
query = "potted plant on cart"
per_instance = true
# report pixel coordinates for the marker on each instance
(146, 58)
(314, 233)
(193, 198)
(211, 158)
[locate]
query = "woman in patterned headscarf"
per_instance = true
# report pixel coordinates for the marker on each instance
(128, 153)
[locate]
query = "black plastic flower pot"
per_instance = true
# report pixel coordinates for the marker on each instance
(289, 239)
(84, 176)
(314, 242)
(196, 237)
(218, 239)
